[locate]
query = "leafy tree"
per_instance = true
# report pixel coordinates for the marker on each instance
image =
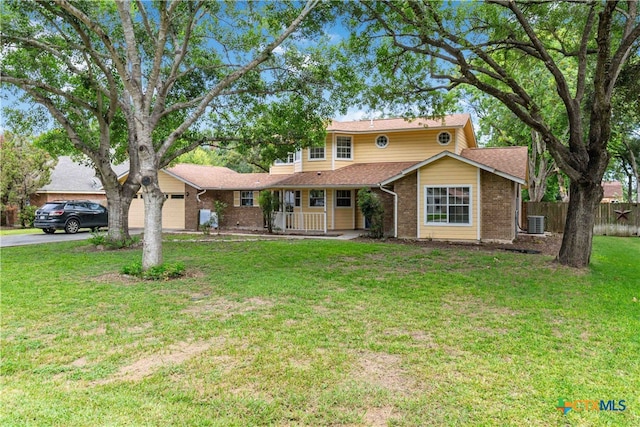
(269, 204)
(219, 207)
(23, 170)
(146, 79)
(422, 48)
(371, 207)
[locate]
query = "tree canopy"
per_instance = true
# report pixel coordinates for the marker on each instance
(153, 80)
(421, 50)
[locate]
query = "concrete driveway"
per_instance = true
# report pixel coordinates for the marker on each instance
(58, 236)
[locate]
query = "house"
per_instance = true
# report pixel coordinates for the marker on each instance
(71, 180)
(612, 192)
(189, 188)
(434, 181)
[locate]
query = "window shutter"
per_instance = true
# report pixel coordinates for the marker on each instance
(236, 198)
(256, 200)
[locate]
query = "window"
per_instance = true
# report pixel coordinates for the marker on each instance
(177, 196)
(297, 156)
(316, 198)
(444, 138)
(382, 141)
(316, 153)
(448, 205)
(343, 148)
(291, 200)
(343, 198)
(298, 198)
(246, 198)
(287, 161)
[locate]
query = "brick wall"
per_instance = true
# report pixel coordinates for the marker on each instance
(242, 217)
(387, 204)
(498, 207)
(406, 189)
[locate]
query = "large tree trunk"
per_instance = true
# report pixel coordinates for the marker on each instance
(152, 248)
(578, 230)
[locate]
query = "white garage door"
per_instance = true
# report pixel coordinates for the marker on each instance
(172, 212)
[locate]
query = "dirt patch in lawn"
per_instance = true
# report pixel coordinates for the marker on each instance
(223, 308)
(174, 354)
(384, 371)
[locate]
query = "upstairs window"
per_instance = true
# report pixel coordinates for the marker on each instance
(316, 153)
(287, 161)
(444, 138)
(382, 141)
(343, 148)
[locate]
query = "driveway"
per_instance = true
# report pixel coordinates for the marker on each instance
(58, 236)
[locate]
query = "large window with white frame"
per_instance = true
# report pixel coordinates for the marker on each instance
(316, 153)
(448, 205)
(344, 148)
(343, 198)
(316, 198)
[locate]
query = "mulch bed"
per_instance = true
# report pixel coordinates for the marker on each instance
(549, 244)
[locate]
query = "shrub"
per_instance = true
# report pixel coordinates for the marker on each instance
(164, 271)
(371, 207)
(269, 204)
(27, 215)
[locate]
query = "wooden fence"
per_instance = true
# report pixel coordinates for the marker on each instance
(622, 219)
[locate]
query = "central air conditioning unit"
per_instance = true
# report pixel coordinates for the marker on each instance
(536, 224)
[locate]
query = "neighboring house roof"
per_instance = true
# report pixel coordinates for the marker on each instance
(510, 160)
(381, 125)
(71, 177)
(358, 174)
(612, 189)
(221, 178)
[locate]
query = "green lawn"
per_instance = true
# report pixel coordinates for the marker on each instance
(318, 333)
(14, 231)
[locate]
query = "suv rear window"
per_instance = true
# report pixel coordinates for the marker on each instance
(53, 207)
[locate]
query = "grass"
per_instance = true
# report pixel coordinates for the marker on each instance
(318, 333)
(15, 231)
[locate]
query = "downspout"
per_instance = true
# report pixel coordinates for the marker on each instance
(200, 194)
(395, 210)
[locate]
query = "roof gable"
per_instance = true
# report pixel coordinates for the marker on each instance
(516, 157)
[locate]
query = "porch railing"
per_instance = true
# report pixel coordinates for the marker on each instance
(301, 221)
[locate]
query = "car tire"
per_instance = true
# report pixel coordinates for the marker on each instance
(49, 230)
(72, 226)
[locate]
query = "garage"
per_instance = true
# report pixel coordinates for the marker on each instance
(173, 210)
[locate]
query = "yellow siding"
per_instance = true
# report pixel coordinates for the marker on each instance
(461, 141)
(403, 146)
(281, 169)
(169, 184)
(449, 172)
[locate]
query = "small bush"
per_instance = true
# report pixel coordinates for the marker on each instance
(160, 272)
(27, 215)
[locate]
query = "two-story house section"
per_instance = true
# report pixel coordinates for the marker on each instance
(434, 181)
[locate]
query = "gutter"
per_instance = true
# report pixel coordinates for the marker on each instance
(395, 209)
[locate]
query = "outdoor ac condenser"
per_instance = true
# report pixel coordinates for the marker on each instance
(536, 224)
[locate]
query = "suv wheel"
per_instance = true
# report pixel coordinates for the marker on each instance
(72, 226)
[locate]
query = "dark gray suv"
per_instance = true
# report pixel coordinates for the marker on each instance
(70, 216)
